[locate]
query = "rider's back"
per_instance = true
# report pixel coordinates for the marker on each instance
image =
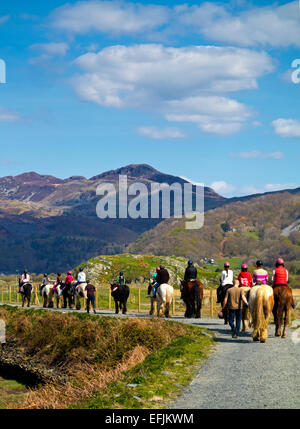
(260, 275)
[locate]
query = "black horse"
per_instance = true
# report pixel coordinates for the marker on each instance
(25, 291)
(68, 295)
(120, 295)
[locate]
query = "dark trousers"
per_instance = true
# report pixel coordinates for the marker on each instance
(90, 299)
(235, 315)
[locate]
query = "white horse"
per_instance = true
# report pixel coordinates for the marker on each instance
(164, 296)
(47, 295)
(80, 292)
(261, 303)
(58, 296)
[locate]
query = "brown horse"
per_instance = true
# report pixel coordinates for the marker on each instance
(192, 295)
(283, 299)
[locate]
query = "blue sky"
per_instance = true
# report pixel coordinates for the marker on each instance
(201, 90)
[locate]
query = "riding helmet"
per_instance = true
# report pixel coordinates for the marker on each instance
(244, 267)
(227, 264)
(121, 273)
(279, 261)
(190, 262)
(80, 269)
(259, 263)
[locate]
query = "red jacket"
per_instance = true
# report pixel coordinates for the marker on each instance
(245, 279)
(280, 276)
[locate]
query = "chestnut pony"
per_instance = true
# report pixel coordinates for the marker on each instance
(283, 299)
(192, 295)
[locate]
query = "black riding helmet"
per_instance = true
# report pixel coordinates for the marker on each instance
(259, 263)
(121, 273)
(80, 269)
(190, 262)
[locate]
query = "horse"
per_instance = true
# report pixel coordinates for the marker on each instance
(80, 292)
(58, 297)
(25, 291)
(164, 296)
(192, 295)
(47, 295)
(68, 296)
(120, 293)
(283, 299)
(245, 311)
(261, 303)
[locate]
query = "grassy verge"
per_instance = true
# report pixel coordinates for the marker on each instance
(103, 354)
(159, 378)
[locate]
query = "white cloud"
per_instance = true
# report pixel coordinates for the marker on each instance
(287, 127)
(161, 133)
(183, 84)
(7, 116)
(4, 19)
(108, 17)
(52, 48)
(228, 190)
(258, 154)
(269, 187)
(271, 25)
(222, 187)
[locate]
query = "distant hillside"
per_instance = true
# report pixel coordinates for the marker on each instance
(49, 224)
(262, 227)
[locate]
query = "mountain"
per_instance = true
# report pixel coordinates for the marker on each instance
(50, 224)
(264, 227)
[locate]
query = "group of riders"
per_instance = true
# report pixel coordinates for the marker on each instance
(260, 276)
(67, 287)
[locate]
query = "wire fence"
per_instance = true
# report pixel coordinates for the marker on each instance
(138, 301)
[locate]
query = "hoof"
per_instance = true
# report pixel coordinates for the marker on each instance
(255, 339)
(277, 335)
(283, 336)
(262, 341)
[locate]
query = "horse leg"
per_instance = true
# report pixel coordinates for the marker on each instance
(197, 315)
(117, 306)
(285, 321)
(167, 311)
(152, 307)
(124, 309)
(78, 304)
(278, 321)
(45, 301)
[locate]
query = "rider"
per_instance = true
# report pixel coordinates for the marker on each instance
(81, 278)
(226, 282)
(190, 274)
(162, 275)
(244, 278)
(154, 285)
(281, 276)
(121, 279)
(25, 278)
(44, 283)
(260, 274)
(58, 282)
(66, 288)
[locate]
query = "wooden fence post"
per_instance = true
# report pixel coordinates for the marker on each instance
(211, 303)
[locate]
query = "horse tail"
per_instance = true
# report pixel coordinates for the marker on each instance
(197, 297)
(259, 318)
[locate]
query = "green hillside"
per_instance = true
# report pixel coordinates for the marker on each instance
(262, 228)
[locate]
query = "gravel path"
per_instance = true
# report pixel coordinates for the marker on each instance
(242, 373)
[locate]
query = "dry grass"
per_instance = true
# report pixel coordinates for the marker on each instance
(84, 383)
